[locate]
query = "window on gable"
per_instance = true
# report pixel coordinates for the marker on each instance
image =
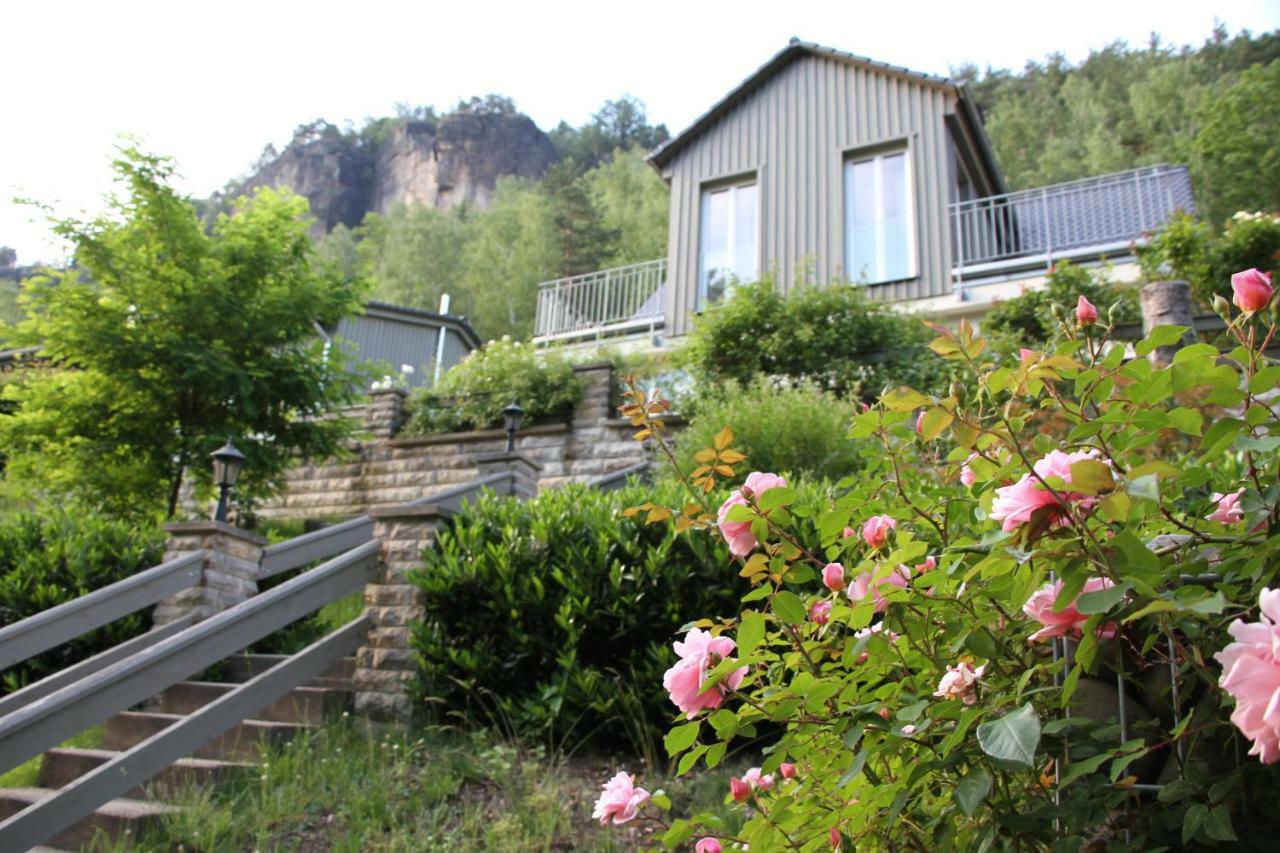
(729, 229)
(880, 238)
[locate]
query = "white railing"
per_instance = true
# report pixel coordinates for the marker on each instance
(1106, 212)
(607, 302)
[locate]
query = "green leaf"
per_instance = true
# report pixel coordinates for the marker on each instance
(715, 753)
(725, 722)
(1187, 420)
(789, 607)
(1265, 379)
(1160, 605)
(776, 497)
(972, 790)
(1147, 486)
(1075, 769)
(934, 422)
(904, 399)
(682, 737)
(1193, 820)
(1091, 477)
(1102, 600)
(681, 831)
(750, 632)
(740, 513)
(1011, 740)
(1161, 336)
(1218, 825)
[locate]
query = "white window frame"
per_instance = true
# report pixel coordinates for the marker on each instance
(878, 156)
(732, 186)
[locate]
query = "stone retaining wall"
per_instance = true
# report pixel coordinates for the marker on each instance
(387, 470)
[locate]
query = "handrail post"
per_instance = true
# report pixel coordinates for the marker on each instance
(228, 573)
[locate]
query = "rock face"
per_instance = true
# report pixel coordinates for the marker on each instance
(458, 160)
(442, 164)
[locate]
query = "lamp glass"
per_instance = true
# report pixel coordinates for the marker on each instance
(227, 463)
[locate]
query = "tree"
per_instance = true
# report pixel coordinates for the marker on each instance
(1237, 147)
(513, 246)
(586, 243)
(620, 123)
(632, 201)
(413, 254)
(164, 340)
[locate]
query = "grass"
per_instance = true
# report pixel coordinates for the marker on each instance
(26, 774)
(346, 788)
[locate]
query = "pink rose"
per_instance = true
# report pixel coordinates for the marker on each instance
(967, 477)
(1016, 504)
(871, 630)
(1251, 674)
(866, 584)
(1068, 620)
(740, 790)
(1229, 510)
(908, 730)
(619, 800)
(875, 530)
(1025, 355)
(757, 780)
(787, 770)
(699, 653)
(1251, 290)
(1086, 313)
(820, 612)
(738, 533)
(960, 682)
(833, 835)
(707, 845)
(833, 577)
(920, 423)
(848, 531)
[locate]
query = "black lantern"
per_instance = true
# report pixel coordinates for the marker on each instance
(512, 415)
(227, 462)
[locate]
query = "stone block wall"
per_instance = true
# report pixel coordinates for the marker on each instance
(388, 470)
(229, 574)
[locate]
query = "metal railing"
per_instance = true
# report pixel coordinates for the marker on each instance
(607, 302)
(1103, 214)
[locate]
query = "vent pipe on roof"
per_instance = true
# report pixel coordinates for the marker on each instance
(444, 330)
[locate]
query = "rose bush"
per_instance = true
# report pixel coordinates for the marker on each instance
(1044, 633)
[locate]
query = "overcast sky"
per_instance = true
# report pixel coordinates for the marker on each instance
(212, 83)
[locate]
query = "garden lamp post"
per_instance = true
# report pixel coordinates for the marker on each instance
(512, 415)
(227, 462)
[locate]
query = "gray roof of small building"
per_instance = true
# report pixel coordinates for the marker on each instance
(796, 48)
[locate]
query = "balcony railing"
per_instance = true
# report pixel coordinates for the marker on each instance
(598, 304)
(1101, 215)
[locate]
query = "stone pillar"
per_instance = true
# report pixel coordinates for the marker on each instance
(385, 413)
(384, 664)
(521, 464)
(1167, 303)
(229, 574)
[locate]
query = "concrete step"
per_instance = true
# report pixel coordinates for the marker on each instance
(241, 668)
(311, 706)
(240, 742)
(63, 766)
(112, 819)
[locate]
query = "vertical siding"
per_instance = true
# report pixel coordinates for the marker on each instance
(794, 133)
(396, 342)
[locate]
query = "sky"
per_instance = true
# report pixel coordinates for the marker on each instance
(211, 84)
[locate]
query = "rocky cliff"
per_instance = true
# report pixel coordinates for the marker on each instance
(442, 163)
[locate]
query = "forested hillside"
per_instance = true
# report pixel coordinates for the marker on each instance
(1215, 108)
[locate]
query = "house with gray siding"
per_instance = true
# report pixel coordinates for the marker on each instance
(396, 335)
(828, 168)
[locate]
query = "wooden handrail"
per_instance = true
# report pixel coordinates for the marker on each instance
(52, 719)
(316, 545)
(57, 625)
(42, 820)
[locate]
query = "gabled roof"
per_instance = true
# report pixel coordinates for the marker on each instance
(663, 154)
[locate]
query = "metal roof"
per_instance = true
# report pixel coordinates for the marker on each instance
(796, 48)
(433, 318)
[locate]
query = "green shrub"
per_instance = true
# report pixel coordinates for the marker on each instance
(1189, 250)
(554, 616)
(54, 557)
(473, 394)
(1027, 320)
(835, 337)
(798, 430)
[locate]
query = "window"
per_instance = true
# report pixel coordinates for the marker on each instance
(880, 239)
(729, 228)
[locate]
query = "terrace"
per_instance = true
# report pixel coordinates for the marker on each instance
(995, 238)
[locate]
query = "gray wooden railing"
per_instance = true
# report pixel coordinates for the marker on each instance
(48, 720)
(615, 480)
(57, 625)
(316, 545)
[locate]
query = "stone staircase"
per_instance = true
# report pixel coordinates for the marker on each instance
(322, 699)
